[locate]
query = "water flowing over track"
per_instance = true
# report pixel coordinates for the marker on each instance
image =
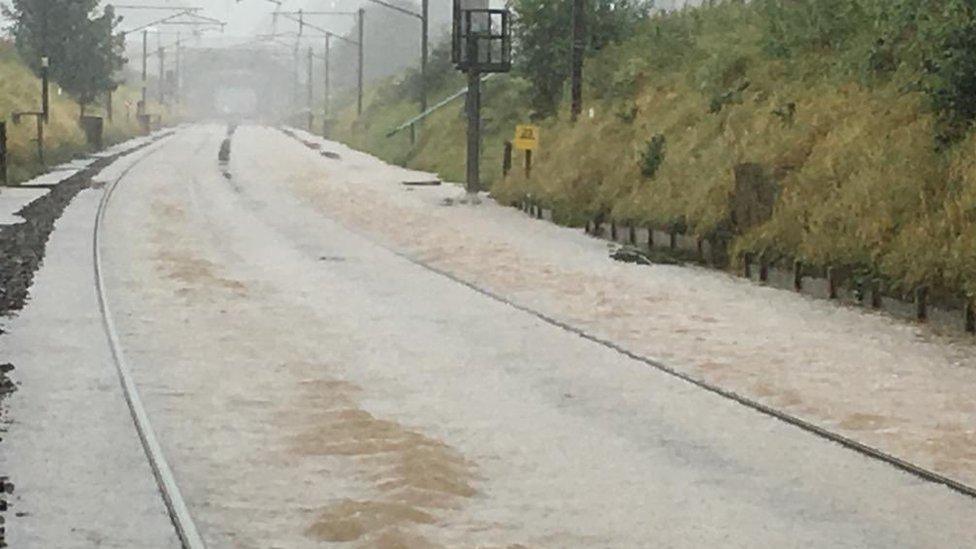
(323, 357)
(186, 529)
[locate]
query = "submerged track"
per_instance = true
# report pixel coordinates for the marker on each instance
(175, 505)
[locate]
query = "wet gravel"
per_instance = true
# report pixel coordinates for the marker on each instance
(22, 245)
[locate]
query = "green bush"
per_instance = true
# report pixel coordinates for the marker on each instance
(652, 156)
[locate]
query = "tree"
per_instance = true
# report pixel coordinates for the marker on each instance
(543, 36)
(84, 51)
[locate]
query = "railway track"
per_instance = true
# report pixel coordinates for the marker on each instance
(176, 507)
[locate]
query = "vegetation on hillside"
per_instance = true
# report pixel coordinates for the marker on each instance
(837, 132)
(64, 138)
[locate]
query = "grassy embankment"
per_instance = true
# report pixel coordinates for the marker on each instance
(63, 136)
(849, 153)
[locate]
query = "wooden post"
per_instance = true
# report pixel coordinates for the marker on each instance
(633, 234)
(798, 275)
(507, 159)
(613, 231)
(922, 303)
(747, 265)
(674, 239)
(650, 237)
(831, 283)
(3, 152)
(763, 269)
(528, 164)
(876, 293)
(970, 317)
(40, 139)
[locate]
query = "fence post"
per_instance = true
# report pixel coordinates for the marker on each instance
(797, 275)
(3, 152)
(633, 234)
(613, 231)
(763, 268)
(921, 303)
(747, 265)
(876, 293)
(507, 159)
(831, 282)
(970, 316)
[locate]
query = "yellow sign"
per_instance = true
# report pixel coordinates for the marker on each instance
(526, 138)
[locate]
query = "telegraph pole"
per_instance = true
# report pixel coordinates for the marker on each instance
(579, 47)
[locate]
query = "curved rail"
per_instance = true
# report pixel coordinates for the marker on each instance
(175, 505)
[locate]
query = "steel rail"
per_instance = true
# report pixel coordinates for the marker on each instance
(821, 432)
(176, 507)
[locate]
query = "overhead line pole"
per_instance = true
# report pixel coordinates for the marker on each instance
(311, 90)
(424, 17)
(145, 70)
(361, 23)
(179, 67)
(328, 83)
(424, 52)
(362, 37)
(162, 72)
